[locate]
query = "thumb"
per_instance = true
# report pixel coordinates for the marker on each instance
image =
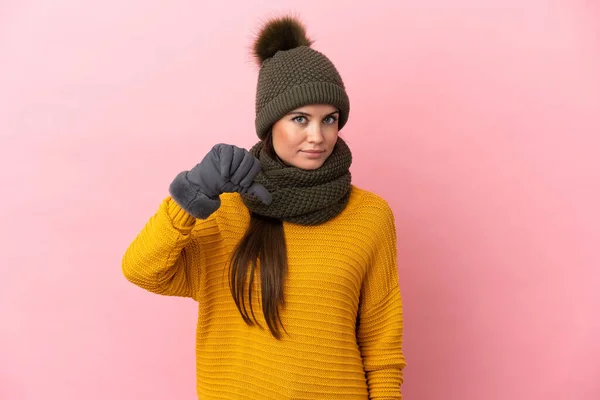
(258, 190)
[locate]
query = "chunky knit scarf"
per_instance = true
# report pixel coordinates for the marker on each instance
(305, 197)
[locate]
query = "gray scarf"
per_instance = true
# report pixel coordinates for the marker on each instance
(305, 197)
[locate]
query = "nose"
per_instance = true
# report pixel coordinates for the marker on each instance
(315, 134)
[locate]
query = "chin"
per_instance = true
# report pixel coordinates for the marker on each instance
(309, 165)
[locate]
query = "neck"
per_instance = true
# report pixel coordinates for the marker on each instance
(327, 187)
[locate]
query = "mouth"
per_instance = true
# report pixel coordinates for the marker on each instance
(313, 154)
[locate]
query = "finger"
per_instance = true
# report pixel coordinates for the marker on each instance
(258, 190)
(236, 163)
(225, 158)
(229, 187)
(254, 170)
(243, 169)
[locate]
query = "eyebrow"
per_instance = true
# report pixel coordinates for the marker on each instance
(308, 115)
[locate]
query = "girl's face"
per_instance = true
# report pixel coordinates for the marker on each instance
(305, 137)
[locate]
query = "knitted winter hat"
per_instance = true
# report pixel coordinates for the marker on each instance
(292, 74)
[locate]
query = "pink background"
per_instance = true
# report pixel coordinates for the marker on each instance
(477, 120)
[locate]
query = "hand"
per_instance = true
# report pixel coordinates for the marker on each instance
(226, 168)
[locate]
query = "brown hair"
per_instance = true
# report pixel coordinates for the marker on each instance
(264, 241)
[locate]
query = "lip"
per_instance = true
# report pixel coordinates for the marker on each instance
(313, 154)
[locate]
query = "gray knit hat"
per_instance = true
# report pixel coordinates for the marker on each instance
(292, 74)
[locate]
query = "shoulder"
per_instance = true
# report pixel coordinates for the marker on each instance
(370, 212)
(366, 202)
(374, 215)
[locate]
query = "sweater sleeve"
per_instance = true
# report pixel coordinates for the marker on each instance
(162, 258)
(380, 319)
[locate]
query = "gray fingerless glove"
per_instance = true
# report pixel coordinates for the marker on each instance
(226, 168)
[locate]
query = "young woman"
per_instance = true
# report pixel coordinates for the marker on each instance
(293, 267)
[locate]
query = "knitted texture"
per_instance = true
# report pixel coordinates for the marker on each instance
(295, 78)
(343, 313)
(306, 197)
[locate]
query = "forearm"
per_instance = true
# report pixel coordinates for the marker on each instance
(380, 340)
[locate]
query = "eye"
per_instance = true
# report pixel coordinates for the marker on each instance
(331, 119)
(299, 119)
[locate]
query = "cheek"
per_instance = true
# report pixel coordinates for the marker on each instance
(285, 138)
(332, 138)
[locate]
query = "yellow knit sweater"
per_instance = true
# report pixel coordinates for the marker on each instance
(343, 313)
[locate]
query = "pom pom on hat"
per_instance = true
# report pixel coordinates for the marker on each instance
(277, 34)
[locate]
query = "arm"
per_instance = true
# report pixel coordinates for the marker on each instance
(161, 259)
(380, 325)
